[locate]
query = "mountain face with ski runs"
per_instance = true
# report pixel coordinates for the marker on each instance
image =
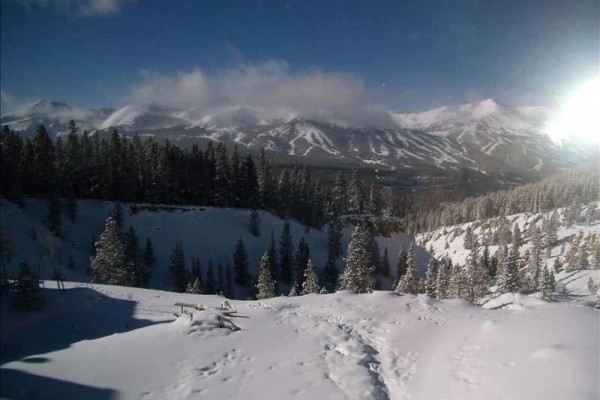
(484, 140)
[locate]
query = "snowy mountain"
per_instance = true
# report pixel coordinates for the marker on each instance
(487, 139)
(54, 115)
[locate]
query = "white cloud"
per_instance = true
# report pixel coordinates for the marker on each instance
(80, 8)
(270, 89)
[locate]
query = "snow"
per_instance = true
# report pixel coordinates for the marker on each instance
(105, 342)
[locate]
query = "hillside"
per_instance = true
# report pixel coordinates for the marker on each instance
(205, 232)
(337, 346)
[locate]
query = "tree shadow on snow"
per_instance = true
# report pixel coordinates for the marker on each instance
(65, 318)
(19, 385)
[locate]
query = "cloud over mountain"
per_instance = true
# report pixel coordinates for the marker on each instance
(270, 88)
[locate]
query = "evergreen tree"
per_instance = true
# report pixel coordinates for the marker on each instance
(334, 238)
(286, 251)
(53, 219)
(27, 294)
(196, 272)
(457, 282)
(443, 279)
(117, 214)
(265, 285)
(375, 201)
(509, 275)
(385, 264)
(240, 263)
(357, 274)
(330, 275)
(431, 278)
(547, 285)
(595, 264)
(401, 267)
(254, 223)
(194, 287)
(178, 270)
(273, 258)
(220, 287)
(109, 265)
(228, 289)
(148, 260)
(557, 267)
(132, 255)
(409, 283)
(300, 261)
(311, 282)
(210, 287)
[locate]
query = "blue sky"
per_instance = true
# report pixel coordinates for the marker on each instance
(401, 55)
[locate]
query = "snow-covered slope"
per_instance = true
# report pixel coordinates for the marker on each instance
(106, 342)
(205, 232)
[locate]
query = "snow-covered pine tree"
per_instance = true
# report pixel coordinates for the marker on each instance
(409, 283)
(334, 238)
(595, 264)
(509, 275)
(400, 267)
(311, 281)
(265, 286)
(323, 290)
(431, 278)
(582, 258)
(547, 285)
(109, 266)
(443, 279)
(375, 201)
(254, 223)
(457, 282)
(357, 273)
(517, 237)
(194, 287)
(293, 292)
(179, 276)
(478, 275)
(240, 263)
(132, 254)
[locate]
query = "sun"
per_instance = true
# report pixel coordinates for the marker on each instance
(579, 116)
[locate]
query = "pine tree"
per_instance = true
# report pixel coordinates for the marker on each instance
(401, 267)
(509, 275)
(178, 270)
(469, 238)
(254, 223)
(148, 261)
(334, 238)
(409, 283)
(582, 258)
(595, 264)
(357, 273)
(591, 286)
(194, 287)
(311, 282)
(273, 258)
(220, 286)
(210, 286)
(457, 282)
(330, 275)
(547, 285)
(265, 285)
(557, 267)
(431, 278)
(132, 255)
(286, 250)
(53, 219)
(385, 263)
(27, 294)
(300, 261)
(117, 214)
(228, 289)
(109, 265)
(240, 263)
(293, 292)
(443, 279)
